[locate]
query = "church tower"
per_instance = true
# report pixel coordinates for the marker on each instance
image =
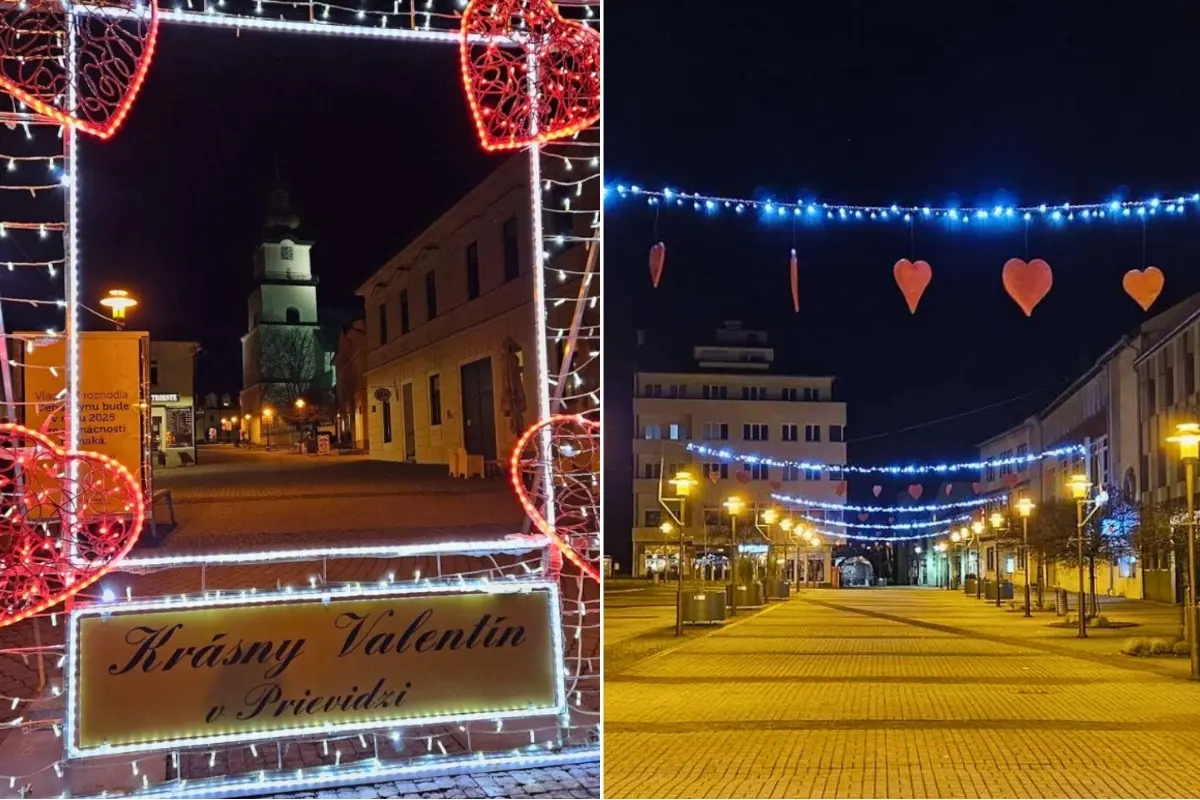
(282, 358)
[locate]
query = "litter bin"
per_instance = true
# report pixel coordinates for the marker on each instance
(1062, 603)
(777, 590)
(703, 607)
(749, 595)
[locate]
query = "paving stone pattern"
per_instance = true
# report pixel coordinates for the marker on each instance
(900, 693)
(575, 781)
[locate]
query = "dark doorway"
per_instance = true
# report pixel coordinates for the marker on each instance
(410, 427)
(479, 414)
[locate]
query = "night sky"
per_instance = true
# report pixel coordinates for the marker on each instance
(917, 103)
(373, 138)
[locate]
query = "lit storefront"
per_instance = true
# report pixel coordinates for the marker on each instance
(172, 404)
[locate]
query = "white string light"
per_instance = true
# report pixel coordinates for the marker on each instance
(725, 454)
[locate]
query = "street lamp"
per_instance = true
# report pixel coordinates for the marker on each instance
(300, 404)
(268, 415)
(1080, 487)
(683, 483)
(1187, 436)
(977, 528)
(118, 301)
(997, 520)
(1025, 508)
(786, 525)
(734, 506)
(955, 538)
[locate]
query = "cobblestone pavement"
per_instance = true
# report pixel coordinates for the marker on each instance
(895, 693)
(582, 780)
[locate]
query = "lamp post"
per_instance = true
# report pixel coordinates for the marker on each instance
(977, 528)
(683, 483)
(955, 537)
(997, 520)
(1080, 487)
(734, 505)
(1187, 436)
(268, 415)
(1025, 508)
(786, 525)
(118, 301)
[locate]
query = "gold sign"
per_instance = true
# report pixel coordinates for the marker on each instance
(254, 670)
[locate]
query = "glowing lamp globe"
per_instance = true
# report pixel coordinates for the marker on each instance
(734, 505)
(1079, 485)
(1025, 507)
(118, 302)
(683, 483)
(787, 524)
(1187, 436)
(770, 516)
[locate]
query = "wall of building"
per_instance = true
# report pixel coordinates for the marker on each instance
(172, 379)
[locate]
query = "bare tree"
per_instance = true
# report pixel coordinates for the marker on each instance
(289, 358)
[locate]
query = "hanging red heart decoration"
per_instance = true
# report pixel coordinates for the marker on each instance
(1144, 286)
(60, 533)
(1011, 480)
(506, 44)
(1027, 284)
(840, 489)
(713, 477)
(570, 455)
(864, 517)
(658, 255)
(915, 490)
(913, 280)
(795, 277)
(741, 476)
(877, 490)
(977, 487)
(114, 43)
(949, 489)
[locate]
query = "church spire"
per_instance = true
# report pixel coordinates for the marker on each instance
(280, 216)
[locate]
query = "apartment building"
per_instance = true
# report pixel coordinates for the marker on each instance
(734, 396)
(451, 332)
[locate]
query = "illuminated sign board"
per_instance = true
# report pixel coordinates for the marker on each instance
(170, 397)
(161, 673)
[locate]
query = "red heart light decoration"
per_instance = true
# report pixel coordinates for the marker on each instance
(60, 533)
(794, 272)
(915, 490)
(877, 490)
(840, 489)
(501, 41)
(742, 476)
(913, 280)
(977, 487)
(1011, 480)
(1027, 284)
(949, 489)
(114, 45)
(573, 463)
(863, 517)
(1144, 286)
(658, 256)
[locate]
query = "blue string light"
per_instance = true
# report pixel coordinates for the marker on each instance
(889, 539)
(897, 526)
(914, 509)
(910, 469)
(811, 210)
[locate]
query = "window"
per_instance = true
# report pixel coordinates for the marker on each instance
(405, 327)
(812, 433)
(754, 393)
(512, 253)
(653, 517)
(718, 468)
(812, 395)
(383, 332)
(435, 398)
(759, 472)
(791, 473)
(386, 409)
(286, 253)
(837, 433)
(1022, 452)
(154, 373)
(1189, 374)
(754, 432)
(812, 474)
(678, 390)
(1169, 384)
(652, 390)
(652, 470)
(431, 294)
(1144, 474)
(715, 393)
(1006, 469)
(991, 559)
(654, 431)
(791, 433)
(1150, 394)
(790, 393)
(716, 431)
(473, 270)
(292, 315)
(1162, 467)
(674, 432)
(989, 473)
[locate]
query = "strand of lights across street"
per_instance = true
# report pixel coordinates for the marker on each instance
(895, 526)
(812, 209)
(890, 469)
(975, 502)
(861, 537)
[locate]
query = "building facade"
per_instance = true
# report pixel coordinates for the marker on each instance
(734, 397)
(350, 367)
(218, 418)
(173, 403)
(282, 355)
(451, 333)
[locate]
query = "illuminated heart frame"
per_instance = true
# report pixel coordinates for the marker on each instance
(106, 502)
(566, 54)
(576, 500)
